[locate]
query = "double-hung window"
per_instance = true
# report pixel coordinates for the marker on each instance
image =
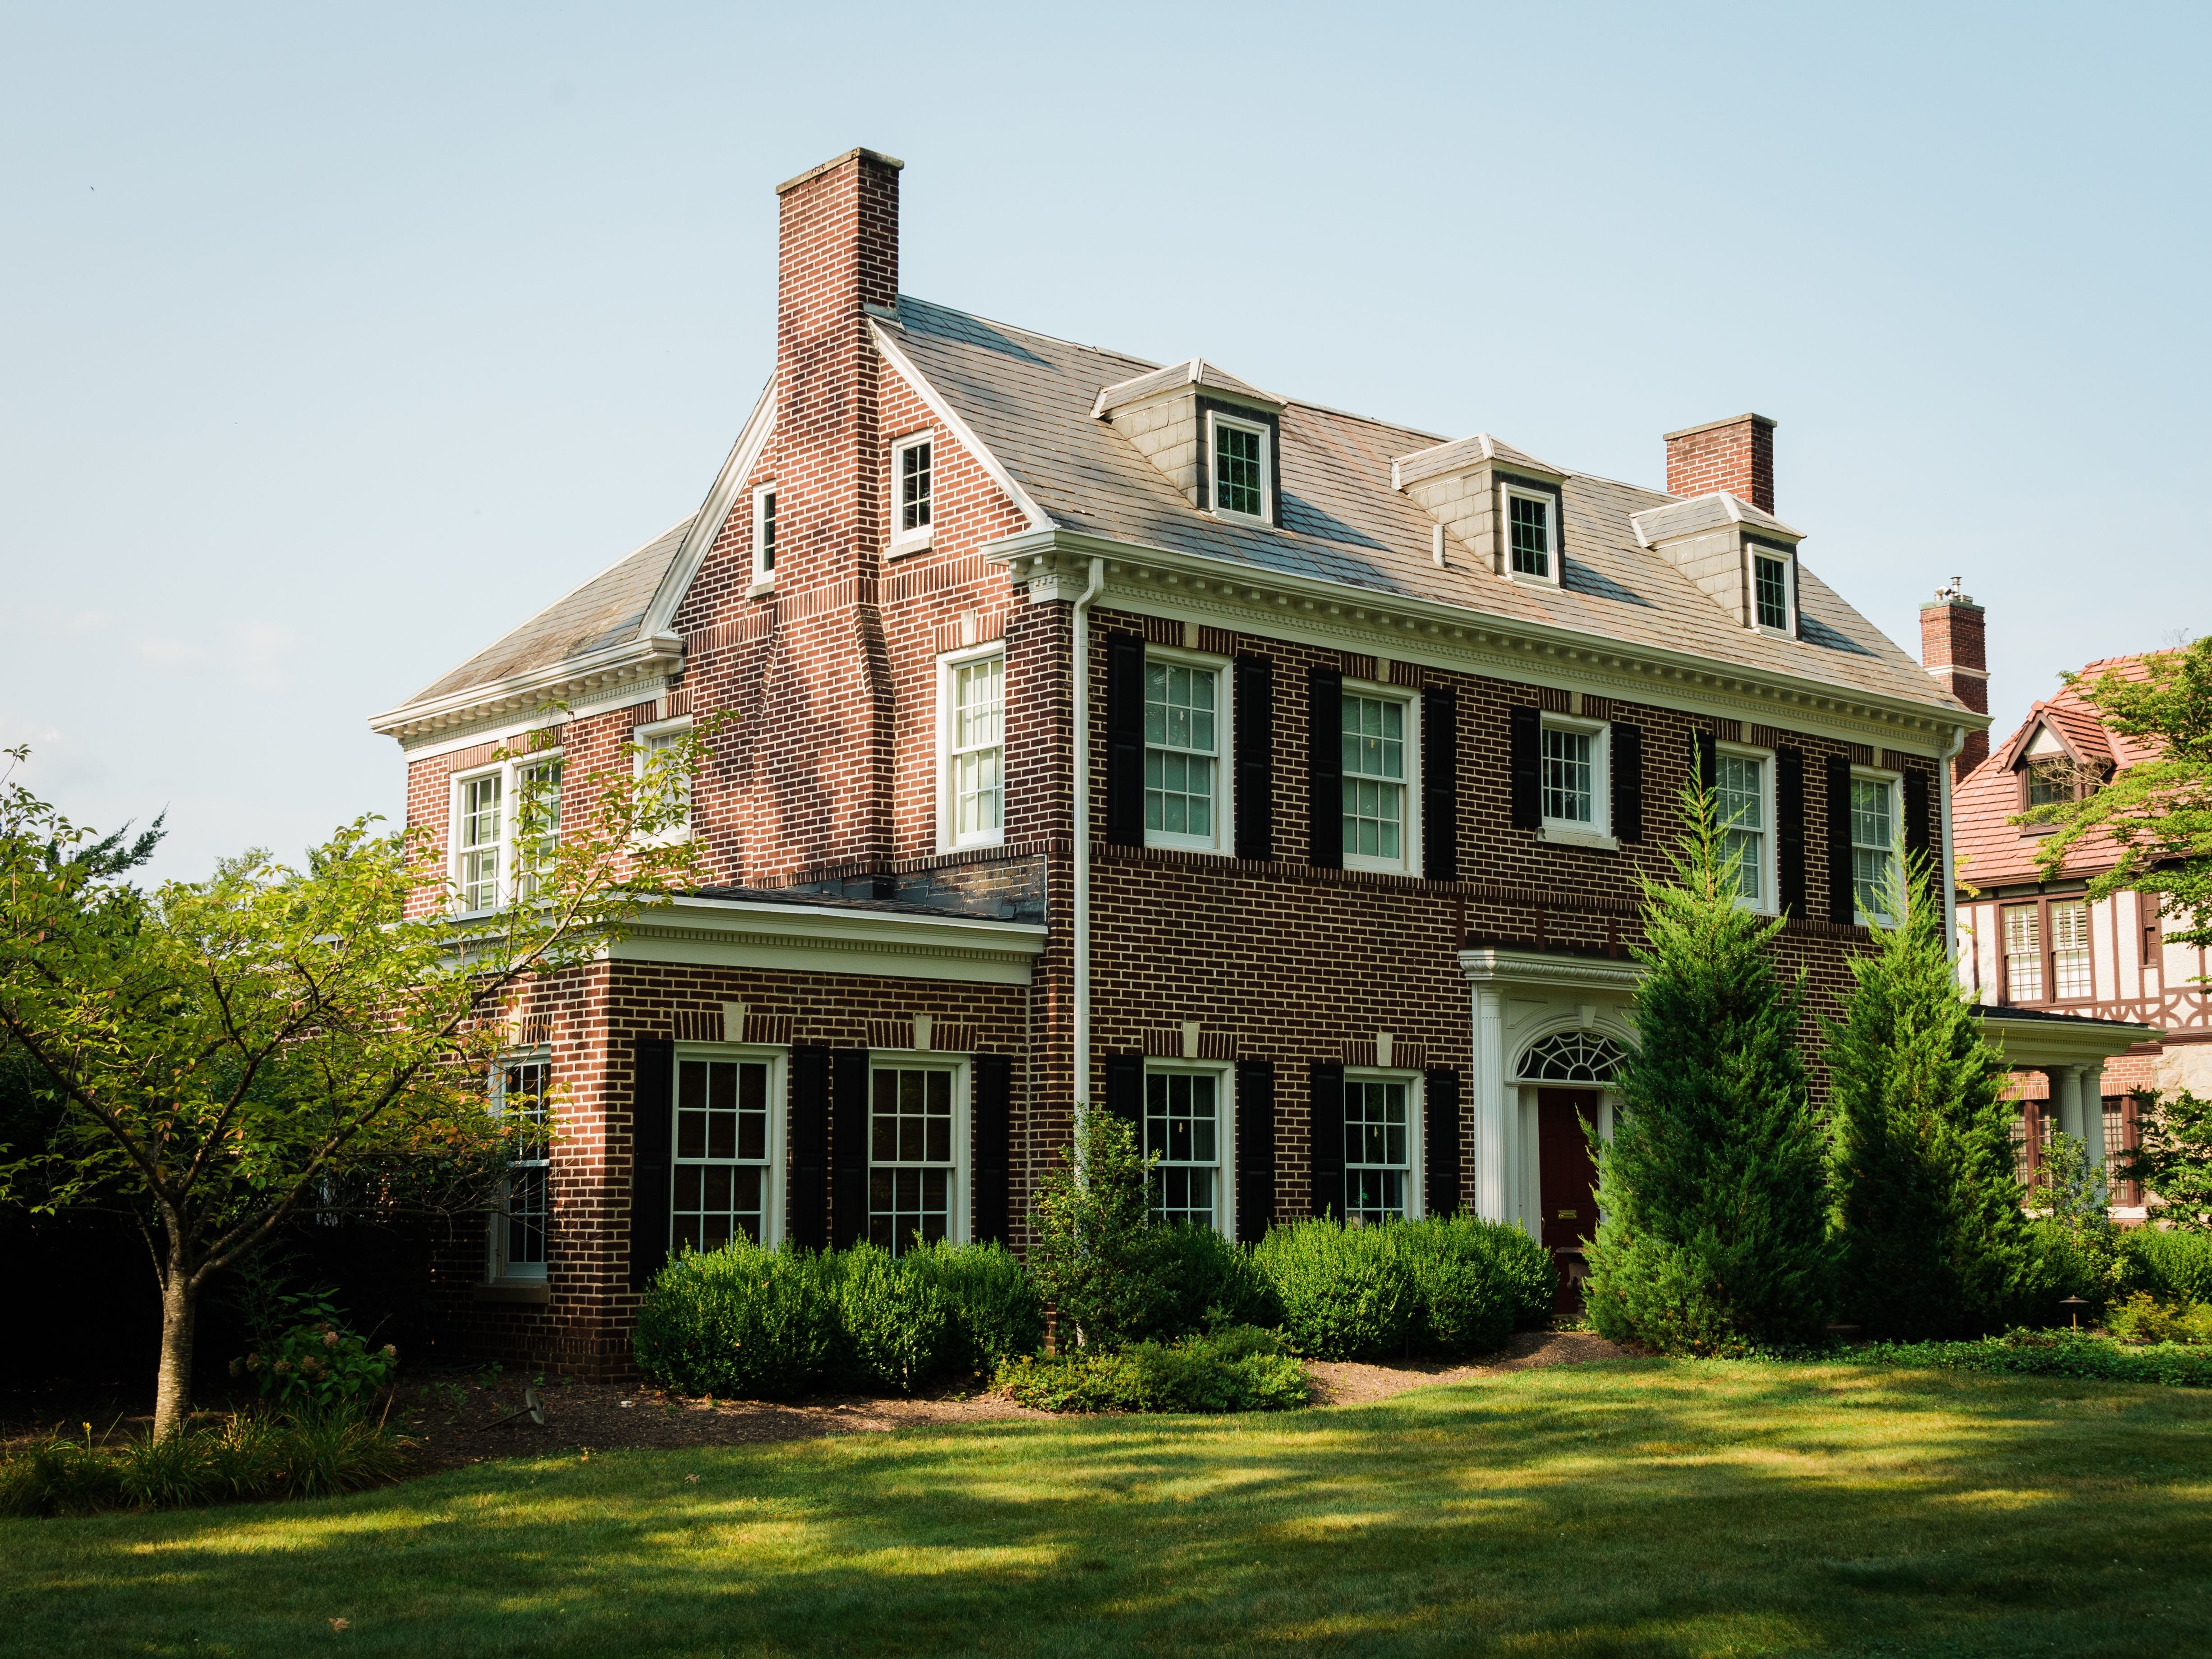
(722, 1178)
(1573, 779)
(659, 757)
(1531, 543)
(1378, 1142)
(1743, 808)
(1241, 462)
(2070, 950)
(913, 1171)
(537, 822)
(1773, 602)
(1183, 729)
(1183, 1128)
(1379, 833)
(2023, 952)
(1875, 869)
(480, 842)
(972, 797)
(912, 480)
(764, 536)
(525, 1213)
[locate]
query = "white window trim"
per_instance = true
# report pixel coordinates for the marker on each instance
(1598, 832)
(763, 578)
(903, 542)
(1410, 865)
(1894, 782)
(1753, 552)
(960, 1191)
(779, 1114)
(497, 1269)
(948, 809)
(1224, 1073)
(1224, 833)
(1416, 1125)
(508, 774)
(1507, 493)
(1214, 421)
(639, 736)
(1769, 902)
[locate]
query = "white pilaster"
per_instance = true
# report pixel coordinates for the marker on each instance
(1528, 1188)
(1491, 1188)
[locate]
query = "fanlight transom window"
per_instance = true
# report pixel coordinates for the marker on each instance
(1572, 1057)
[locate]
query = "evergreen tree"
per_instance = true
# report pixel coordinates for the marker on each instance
(1931, 1239)
(1714, 1232)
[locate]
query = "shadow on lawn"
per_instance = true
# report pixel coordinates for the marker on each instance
(1641, 1508)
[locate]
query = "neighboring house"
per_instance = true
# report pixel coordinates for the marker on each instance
(1379, 731)
(2033, 944)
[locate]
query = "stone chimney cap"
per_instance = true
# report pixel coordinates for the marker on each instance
(835, 161)
(1707, 425)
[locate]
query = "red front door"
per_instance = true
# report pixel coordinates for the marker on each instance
(1566, 1182)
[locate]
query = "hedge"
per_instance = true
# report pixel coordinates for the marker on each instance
(1448, 1286)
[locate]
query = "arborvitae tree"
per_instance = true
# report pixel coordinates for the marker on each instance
(1714, 1232)
(1931, 1237)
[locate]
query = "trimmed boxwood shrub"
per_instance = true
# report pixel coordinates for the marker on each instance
(1206, 1283)
(1474, 1281)
(1240, 1368)
(895, 1324)
(755, 1324)
(995, 1309)
(1346, 1292)
(2174, 1267)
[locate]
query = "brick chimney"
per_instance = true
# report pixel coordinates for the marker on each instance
(1952, 649)
(1736, 455)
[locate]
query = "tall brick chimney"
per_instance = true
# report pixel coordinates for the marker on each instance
(1954, 651)
(1736, 455)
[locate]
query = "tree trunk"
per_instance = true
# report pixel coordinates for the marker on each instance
(180, 1312)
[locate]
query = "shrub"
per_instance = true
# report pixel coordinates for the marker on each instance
(313, 1362)
(2049, 1353)
(1209, 1282)
(995, 1308)
(895, 1325)
(1474, 1281)
(2143, 1318)
(741, 1319)
(1099, 1250)
(1239, 1369)
(249, 1455)
(1345, 1292)
(2172, 1265)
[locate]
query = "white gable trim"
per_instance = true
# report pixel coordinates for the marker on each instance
(959, 428)
(714, 512)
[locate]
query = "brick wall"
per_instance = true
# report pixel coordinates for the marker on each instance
(1735, 455)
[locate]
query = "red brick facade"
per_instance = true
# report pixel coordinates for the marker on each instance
(1735, 455)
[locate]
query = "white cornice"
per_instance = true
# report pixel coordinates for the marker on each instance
(821, 939)
(960, 429)
(1498, 965)
(1406, 627)
(595, 677)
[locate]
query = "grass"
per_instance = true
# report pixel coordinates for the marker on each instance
(1643, 1508)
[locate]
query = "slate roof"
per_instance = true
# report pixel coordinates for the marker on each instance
(1029, 398)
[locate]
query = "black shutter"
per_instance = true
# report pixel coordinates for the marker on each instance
(1125, 1092)
(652, 1124)
(1440, 1129)
(1255, 1149)
(808, 1204)
(1125, 740)
(1255, 759)
(994, 1112)
(1325, 1151)
(1708, 759)
(1527, 752)
(1919, 837)
(1789, 829)
(848, 1146)
(1843, 904)
(1627, 781)
(1325, 768)
(1440, 784)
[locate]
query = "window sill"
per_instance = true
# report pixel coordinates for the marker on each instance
(1259, 518)
(1565, 835)
(763, 584)
(1378, 867)
(530, 1293)
(1528, 580)
(907, 544)
(973, 844)
(1773, 632)
(1167, 843)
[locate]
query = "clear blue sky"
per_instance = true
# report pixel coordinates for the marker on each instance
(334, 341)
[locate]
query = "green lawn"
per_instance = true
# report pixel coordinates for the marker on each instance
(1643, 1508)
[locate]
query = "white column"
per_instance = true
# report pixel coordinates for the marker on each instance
(1490, 1190)
(2067, 1081)
(2093, 1112)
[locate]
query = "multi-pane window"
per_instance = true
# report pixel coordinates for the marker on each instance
(1182, 1126)
(538, 821)
(1528, 526)
(912, 472)
(480, 842)
(2023, 949)
(1181, 749)
(1739, 804)
(764, 533)
(721, 1170)
(977, 755)
(1873, 849)
(1770, 583)
(2070, 949)
(909, 1156)
(663, 753)
(1238, 475)
(2048, 782)
(1569, 777)
(1375, 1151)
(524, 1085)
(1374, 778)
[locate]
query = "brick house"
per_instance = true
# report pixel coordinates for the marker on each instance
(1379, 730)
(2034, 948)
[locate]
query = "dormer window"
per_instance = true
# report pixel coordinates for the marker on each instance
(2049, 782)
(912, 467)
(1240, 469)
(1530, 536)
(1773, 595)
